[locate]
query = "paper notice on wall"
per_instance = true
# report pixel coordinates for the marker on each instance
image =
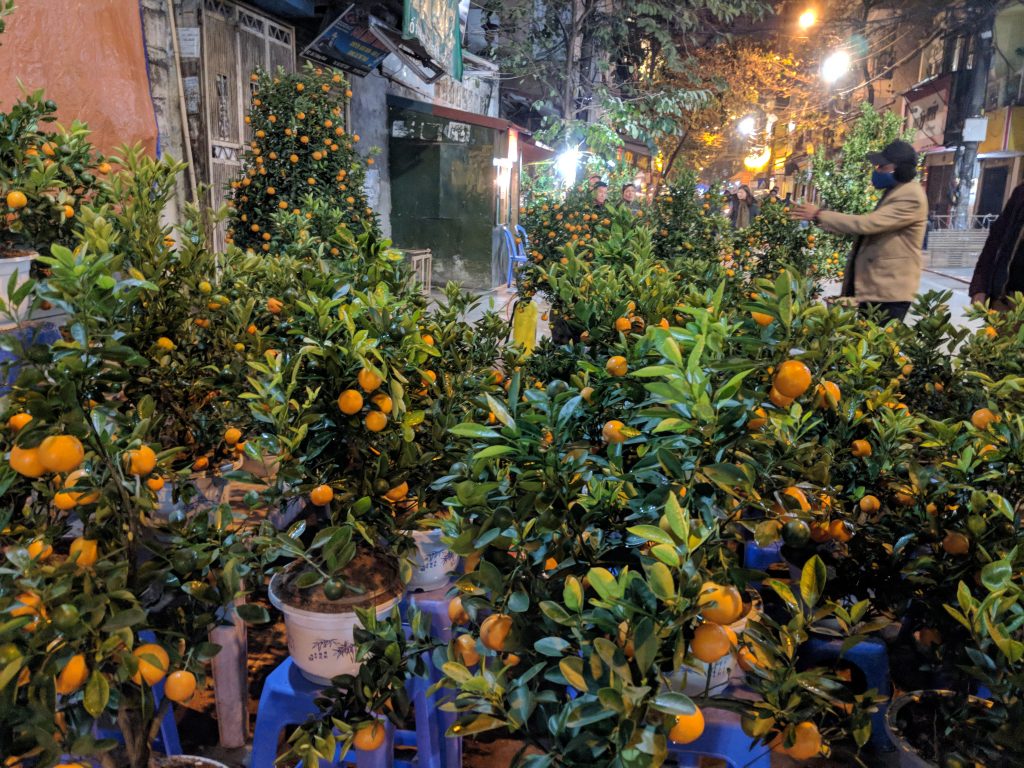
(371, 187)
(191, 87)
(188, 42)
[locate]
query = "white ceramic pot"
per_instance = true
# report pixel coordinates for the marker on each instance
(186, 761)
(322, 645)
(433, 563)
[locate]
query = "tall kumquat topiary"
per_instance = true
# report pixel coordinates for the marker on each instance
(303, 180)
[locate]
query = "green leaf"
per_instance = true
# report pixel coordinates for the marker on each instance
(492, 451)
(551, 646)
(659, 577)
(519, 602)
(10, 672)
(572, 670)
(604, 583)
(652, 533)
(996, 575)
(672, 703)
(478, 724)
(252, 614)
(555, 612)
(677, 521)
(456, 672)
(500, 412)
(572, 593)
(97, 693)
(812, 581)
(783, 590)
(126, 618)
(468, 429)
(666, 554)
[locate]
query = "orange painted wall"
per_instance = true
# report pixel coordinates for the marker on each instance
(88, 56)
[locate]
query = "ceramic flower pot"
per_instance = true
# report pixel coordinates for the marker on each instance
(320, 631)
(433, 562)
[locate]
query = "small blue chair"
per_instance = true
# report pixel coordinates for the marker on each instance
(724, 739)
(435, 605)
(516, 252)
(758, 558)
(289, 698)
(871, 657)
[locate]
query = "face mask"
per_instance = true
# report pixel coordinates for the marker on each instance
(883, 179)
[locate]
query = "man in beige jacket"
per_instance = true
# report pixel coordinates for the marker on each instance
(883, 270)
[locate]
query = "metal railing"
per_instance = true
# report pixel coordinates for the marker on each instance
(941, 222)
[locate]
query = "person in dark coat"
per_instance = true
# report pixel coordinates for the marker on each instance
(999, 272)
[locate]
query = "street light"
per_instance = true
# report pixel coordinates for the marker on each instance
(835, 66)
(566, 165)
(746, 126)
(808, 19)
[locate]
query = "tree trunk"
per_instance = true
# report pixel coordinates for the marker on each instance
(967, 155)
(569, 86)
(131, 720)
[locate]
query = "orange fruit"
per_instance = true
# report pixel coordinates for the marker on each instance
(762, 319)
(84, 552)
(29, 604)
(799, 497)
(39, 550)
(18, 420)
(16, 199)
(25, 461)
(350, 402)
(155, 483)
(165, 344)
(820, 532)
(321, 495)
(153, 664)
(61, 453)
(983, 418)
(806, 742)
(720, 604)
(749, 658)
(427, 339)
(778, 399)
(870, 504)
(64, 501)
(827, 395)
(368, 737)
(274, 306)
(369, 380)
(376, 421)
(792, 378)
(587, 393)
(232, 435)
(905, 496)
(759, 420)
(180, 686)
(397, 493)
(494, 631)
(611, 432)
(200, 464)
(956, 543)
(141, 461)
(687, 728)
(73, 676)
(710, 642)
(465, 650)
(69, 212)
(383, 402)
(457, 613)
(617, 365)
(623, 324)
(840, 530)
(861, 448)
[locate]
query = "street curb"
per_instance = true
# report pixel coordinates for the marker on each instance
(948, 276)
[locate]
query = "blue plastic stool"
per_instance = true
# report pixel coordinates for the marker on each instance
(516, 253)
(758, 558)
(724, 739)
(435, 605)
(288, 698)
(871, 657)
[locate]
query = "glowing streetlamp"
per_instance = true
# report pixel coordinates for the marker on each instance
(566, 165)
(835, 66)
(808, 19)
(746, 126)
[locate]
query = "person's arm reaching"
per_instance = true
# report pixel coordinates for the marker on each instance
(886, 218)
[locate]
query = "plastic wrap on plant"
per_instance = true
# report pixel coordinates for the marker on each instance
(524, 326)
(89, 57)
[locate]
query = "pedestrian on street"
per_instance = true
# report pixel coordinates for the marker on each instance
(883, 270)
(629, 197)
(999, 272)
(773, 195)
(594, 181)
(600, 195)
(744, 208)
